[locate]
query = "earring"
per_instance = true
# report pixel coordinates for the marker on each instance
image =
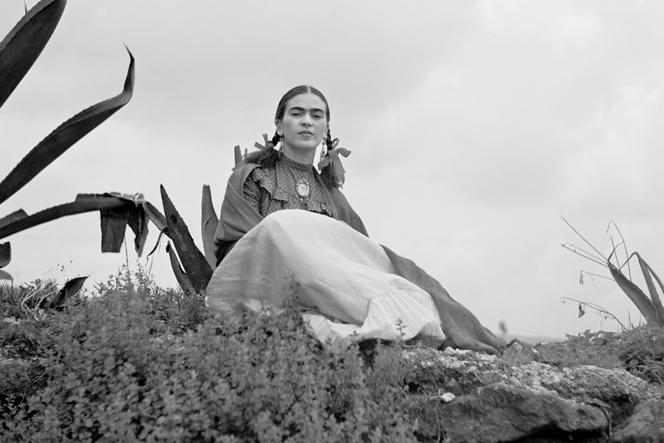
(323, 150)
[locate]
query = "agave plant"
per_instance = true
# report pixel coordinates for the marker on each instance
(18, 52)
(650, 305)
(195, 270)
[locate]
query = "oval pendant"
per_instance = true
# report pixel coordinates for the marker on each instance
(302, 188)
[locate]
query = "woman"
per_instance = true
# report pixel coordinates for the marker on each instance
(286, 229)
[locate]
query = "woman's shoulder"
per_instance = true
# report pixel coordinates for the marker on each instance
(243, 170)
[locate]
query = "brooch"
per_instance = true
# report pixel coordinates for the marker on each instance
(302, 188)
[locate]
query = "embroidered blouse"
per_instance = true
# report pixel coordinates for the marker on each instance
(273, 189)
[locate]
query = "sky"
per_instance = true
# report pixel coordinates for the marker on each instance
(473, 125)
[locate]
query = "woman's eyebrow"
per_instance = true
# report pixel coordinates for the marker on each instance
(301, 109)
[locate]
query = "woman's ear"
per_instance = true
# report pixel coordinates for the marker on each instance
(280, 127)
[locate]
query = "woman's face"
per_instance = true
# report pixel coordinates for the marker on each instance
(304, 123)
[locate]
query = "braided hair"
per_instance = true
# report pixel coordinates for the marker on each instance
(325, 172)
(266, 157)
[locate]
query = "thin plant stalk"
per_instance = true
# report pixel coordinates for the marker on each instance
(596, 308)
(624, 243)
(582, 253)
(583, 238)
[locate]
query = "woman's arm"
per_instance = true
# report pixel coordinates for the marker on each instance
(239, 210)
(251, 192)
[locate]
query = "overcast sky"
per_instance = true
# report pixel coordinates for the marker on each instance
(473, 125)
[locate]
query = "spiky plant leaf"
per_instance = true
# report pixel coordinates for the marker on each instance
(237, 153)
(635, 294)
(159, 221)
(64, 136)
(180, 275)
(11, 218)
(648, 275)
(209, 221)
(194, 262)
(5, 254)
(22, 46)
(81, 205)
(70, 288)
(155, 216)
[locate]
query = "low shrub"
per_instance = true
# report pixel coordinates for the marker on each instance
(148, 364)
(643, 353)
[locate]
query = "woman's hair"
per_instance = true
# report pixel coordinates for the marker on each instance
(267, 157)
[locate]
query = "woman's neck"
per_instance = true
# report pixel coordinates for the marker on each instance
(304, 156)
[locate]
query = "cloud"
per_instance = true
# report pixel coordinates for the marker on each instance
(473, 126)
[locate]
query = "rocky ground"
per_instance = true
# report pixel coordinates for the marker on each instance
(594, 387)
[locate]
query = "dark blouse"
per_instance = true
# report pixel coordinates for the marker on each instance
(273, 189)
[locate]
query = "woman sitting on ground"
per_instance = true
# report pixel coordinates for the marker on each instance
(287, 230)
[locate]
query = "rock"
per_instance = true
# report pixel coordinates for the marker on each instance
(455, 371)
(447, 397)
(501, 412)
(504, 398)
(645, 425)
(585, 382)
(616, 388)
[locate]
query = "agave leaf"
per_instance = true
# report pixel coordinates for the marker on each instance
(22, 46)
(81, 205)
(68, 290)
(133, 215)
(635, 294)
(648, 275)
(155, 216)
(209, 221)
(64, 136)
(193, 260)
(11, 218)
(5, 276)
(180, 276)
(237, 154)
(158, 219)
(5, 254)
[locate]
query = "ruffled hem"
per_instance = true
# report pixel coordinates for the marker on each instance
(391, 316)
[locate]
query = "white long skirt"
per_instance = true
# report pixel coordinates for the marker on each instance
(345, 278)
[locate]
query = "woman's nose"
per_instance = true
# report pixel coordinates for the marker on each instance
(306, 119)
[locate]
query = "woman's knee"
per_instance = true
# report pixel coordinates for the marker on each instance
(284, 220)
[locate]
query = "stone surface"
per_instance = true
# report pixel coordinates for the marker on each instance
(514, 398)
(645, 425)
(501, 412)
